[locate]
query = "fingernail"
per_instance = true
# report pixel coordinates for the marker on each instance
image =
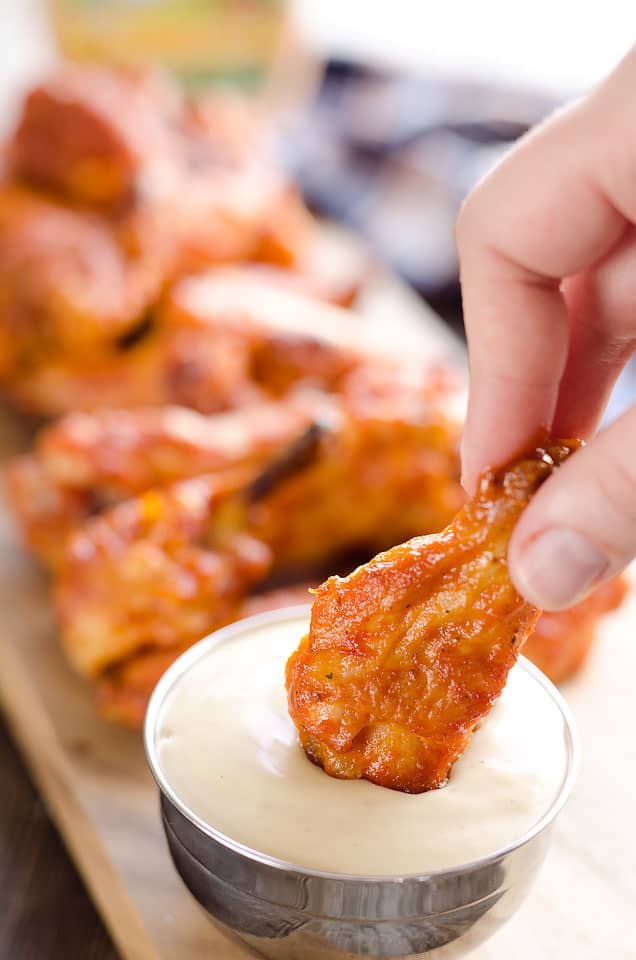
(557, 568)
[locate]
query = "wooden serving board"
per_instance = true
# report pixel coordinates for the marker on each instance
(94, 780)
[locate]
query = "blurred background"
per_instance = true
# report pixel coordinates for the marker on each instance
(389, 112)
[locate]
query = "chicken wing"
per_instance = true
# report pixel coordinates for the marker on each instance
(405, 656)
(70, 282)
(123, 691)
(184, 559)
(141, 188)
(111, 139)
(368, 473)
(89, 133)
(223, 340)
(202, 365)
(563, 639)
(86, 463)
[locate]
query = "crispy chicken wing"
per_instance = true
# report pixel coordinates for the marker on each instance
(287, 335)
(124, 691)
(387, 464)
(405, 656)
(363, 477)
(563, 639)
(141, 188)
(109, 139)
(179, 553)
(88, 133)
(222, 340)
(198, 365)
(557, 645)
(70, 281)
(85, 463)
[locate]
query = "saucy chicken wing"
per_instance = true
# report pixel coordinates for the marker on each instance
(111, 139)
(406, 655)
(182, 558)
(563, 639)
(220, 341)
(88, 133)
(556, 646)
(123, 691)
(69, 281)
(115, 188)
(86, 463)
(364, 475)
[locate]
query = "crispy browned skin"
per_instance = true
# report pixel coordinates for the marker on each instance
(123, 692)
(108, 139)
(181, 556)
(86, 463)
(562, 640)
(213, 343)
(559, 643)
(377, 469)
(195, 363)
(70, 281)
(115, 188)
(88, 132)
(405, 656)
(283, 335)
(387, 465)
(217, 348)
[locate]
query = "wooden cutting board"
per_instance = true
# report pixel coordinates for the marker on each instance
(94, 780)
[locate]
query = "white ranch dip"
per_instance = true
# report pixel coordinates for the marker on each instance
(229, 751)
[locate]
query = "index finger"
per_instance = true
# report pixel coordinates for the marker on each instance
(555, 206)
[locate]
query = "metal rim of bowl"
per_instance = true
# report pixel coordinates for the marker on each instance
(201, 648)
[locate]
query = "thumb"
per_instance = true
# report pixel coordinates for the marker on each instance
(580, 528)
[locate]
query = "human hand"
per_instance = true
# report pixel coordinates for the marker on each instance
(547, 247)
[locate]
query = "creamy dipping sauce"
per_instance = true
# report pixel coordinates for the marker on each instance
(229, 751)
